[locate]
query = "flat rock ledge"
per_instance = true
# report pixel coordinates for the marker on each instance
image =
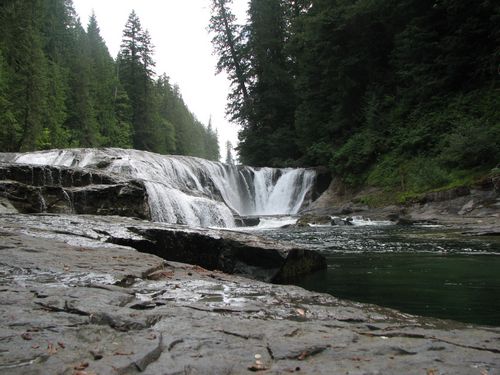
(72, 302)
(215, 249)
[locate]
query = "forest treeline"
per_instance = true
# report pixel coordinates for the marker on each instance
(59, 87)
(396, 93)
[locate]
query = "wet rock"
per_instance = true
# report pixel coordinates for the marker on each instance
(306, 220)
(53, 189)
(467, 208)
(323, 180)
(446, 195)
(224, 250)
(75, 297)
(246, 221)
(405, 220)
(346, 209)
(484, 231)
(6, 207)
(341, 222)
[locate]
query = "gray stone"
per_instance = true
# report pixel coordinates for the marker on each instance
(71, 303)
(228, 251)
(307, 219)
(6, 207)
(341, 222)
(246, 221)
(55, 189)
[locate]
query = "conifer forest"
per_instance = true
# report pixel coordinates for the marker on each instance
(59, 87)
(400, 94)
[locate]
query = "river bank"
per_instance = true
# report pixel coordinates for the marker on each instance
(87, 292)
(474, 209)
(74, 304)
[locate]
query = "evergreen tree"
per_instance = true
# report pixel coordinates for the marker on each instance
(262, 72)
(27, 63)
(211, 142)
(270, 138)
(229, 153)
(59, 21)
(166, 131)
(229, 44)
(59, 87)
(380, 91)
(55, 133)
(81, 116)
(121, 134)
(103, 86)
(135, 66)
(9, 128)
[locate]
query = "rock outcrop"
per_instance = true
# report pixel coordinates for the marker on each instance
(183, 189)
(476, 205)
(223, 250)
(54, 189)
(71, 302)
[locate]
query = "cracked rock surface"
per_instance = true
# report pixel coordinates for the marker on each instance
(72, 303)
(228, 251)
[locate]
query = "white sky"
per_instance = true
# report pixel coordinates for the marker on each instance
(183, 49)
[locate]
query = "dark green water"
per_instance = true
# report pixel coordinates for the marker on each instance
(420, 270)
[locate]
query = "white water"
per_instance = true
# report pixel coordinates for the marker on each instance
(191, 190)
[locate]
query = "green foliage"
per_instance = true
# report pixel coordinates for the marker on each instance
(135, 68)
(385, 93)
(263, 96)
(353, 156)
(474, 139)
(55, 134)
(59, 87)
(416, 174)
(229, 43)
(379, 198)
(9, 128)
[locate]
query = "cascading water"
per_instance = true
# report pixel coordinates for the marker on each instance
(191, 190)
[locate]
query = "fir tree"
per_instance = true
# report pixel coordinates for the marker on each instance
(9, 128)
(135, 66)
(103, 85)
(228, 43)
(229, 153)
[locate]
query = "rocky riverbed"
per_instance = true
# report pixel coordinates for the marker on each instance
(474, 209)
(74, 302)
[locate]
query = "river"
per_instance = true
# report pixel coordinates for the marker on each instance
(424, 270)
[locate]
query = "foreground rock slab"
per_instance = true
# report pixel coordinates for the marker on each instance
(224, 250)
(72, 303)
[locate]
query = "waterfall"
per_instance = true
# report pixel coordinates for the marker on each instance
(190, 190)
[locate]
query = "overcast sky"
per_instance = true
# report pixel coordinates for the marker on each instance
(183, 50)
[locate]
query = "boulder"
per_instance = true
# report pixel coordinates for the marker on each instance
(340, 222)
(246, 221)
(310, 219)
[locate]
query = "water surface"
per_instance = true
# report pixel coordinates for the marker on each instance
(426, 270)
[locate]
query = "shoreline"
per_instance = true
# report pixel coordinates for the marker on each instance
(73, 304)
(471, 209)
